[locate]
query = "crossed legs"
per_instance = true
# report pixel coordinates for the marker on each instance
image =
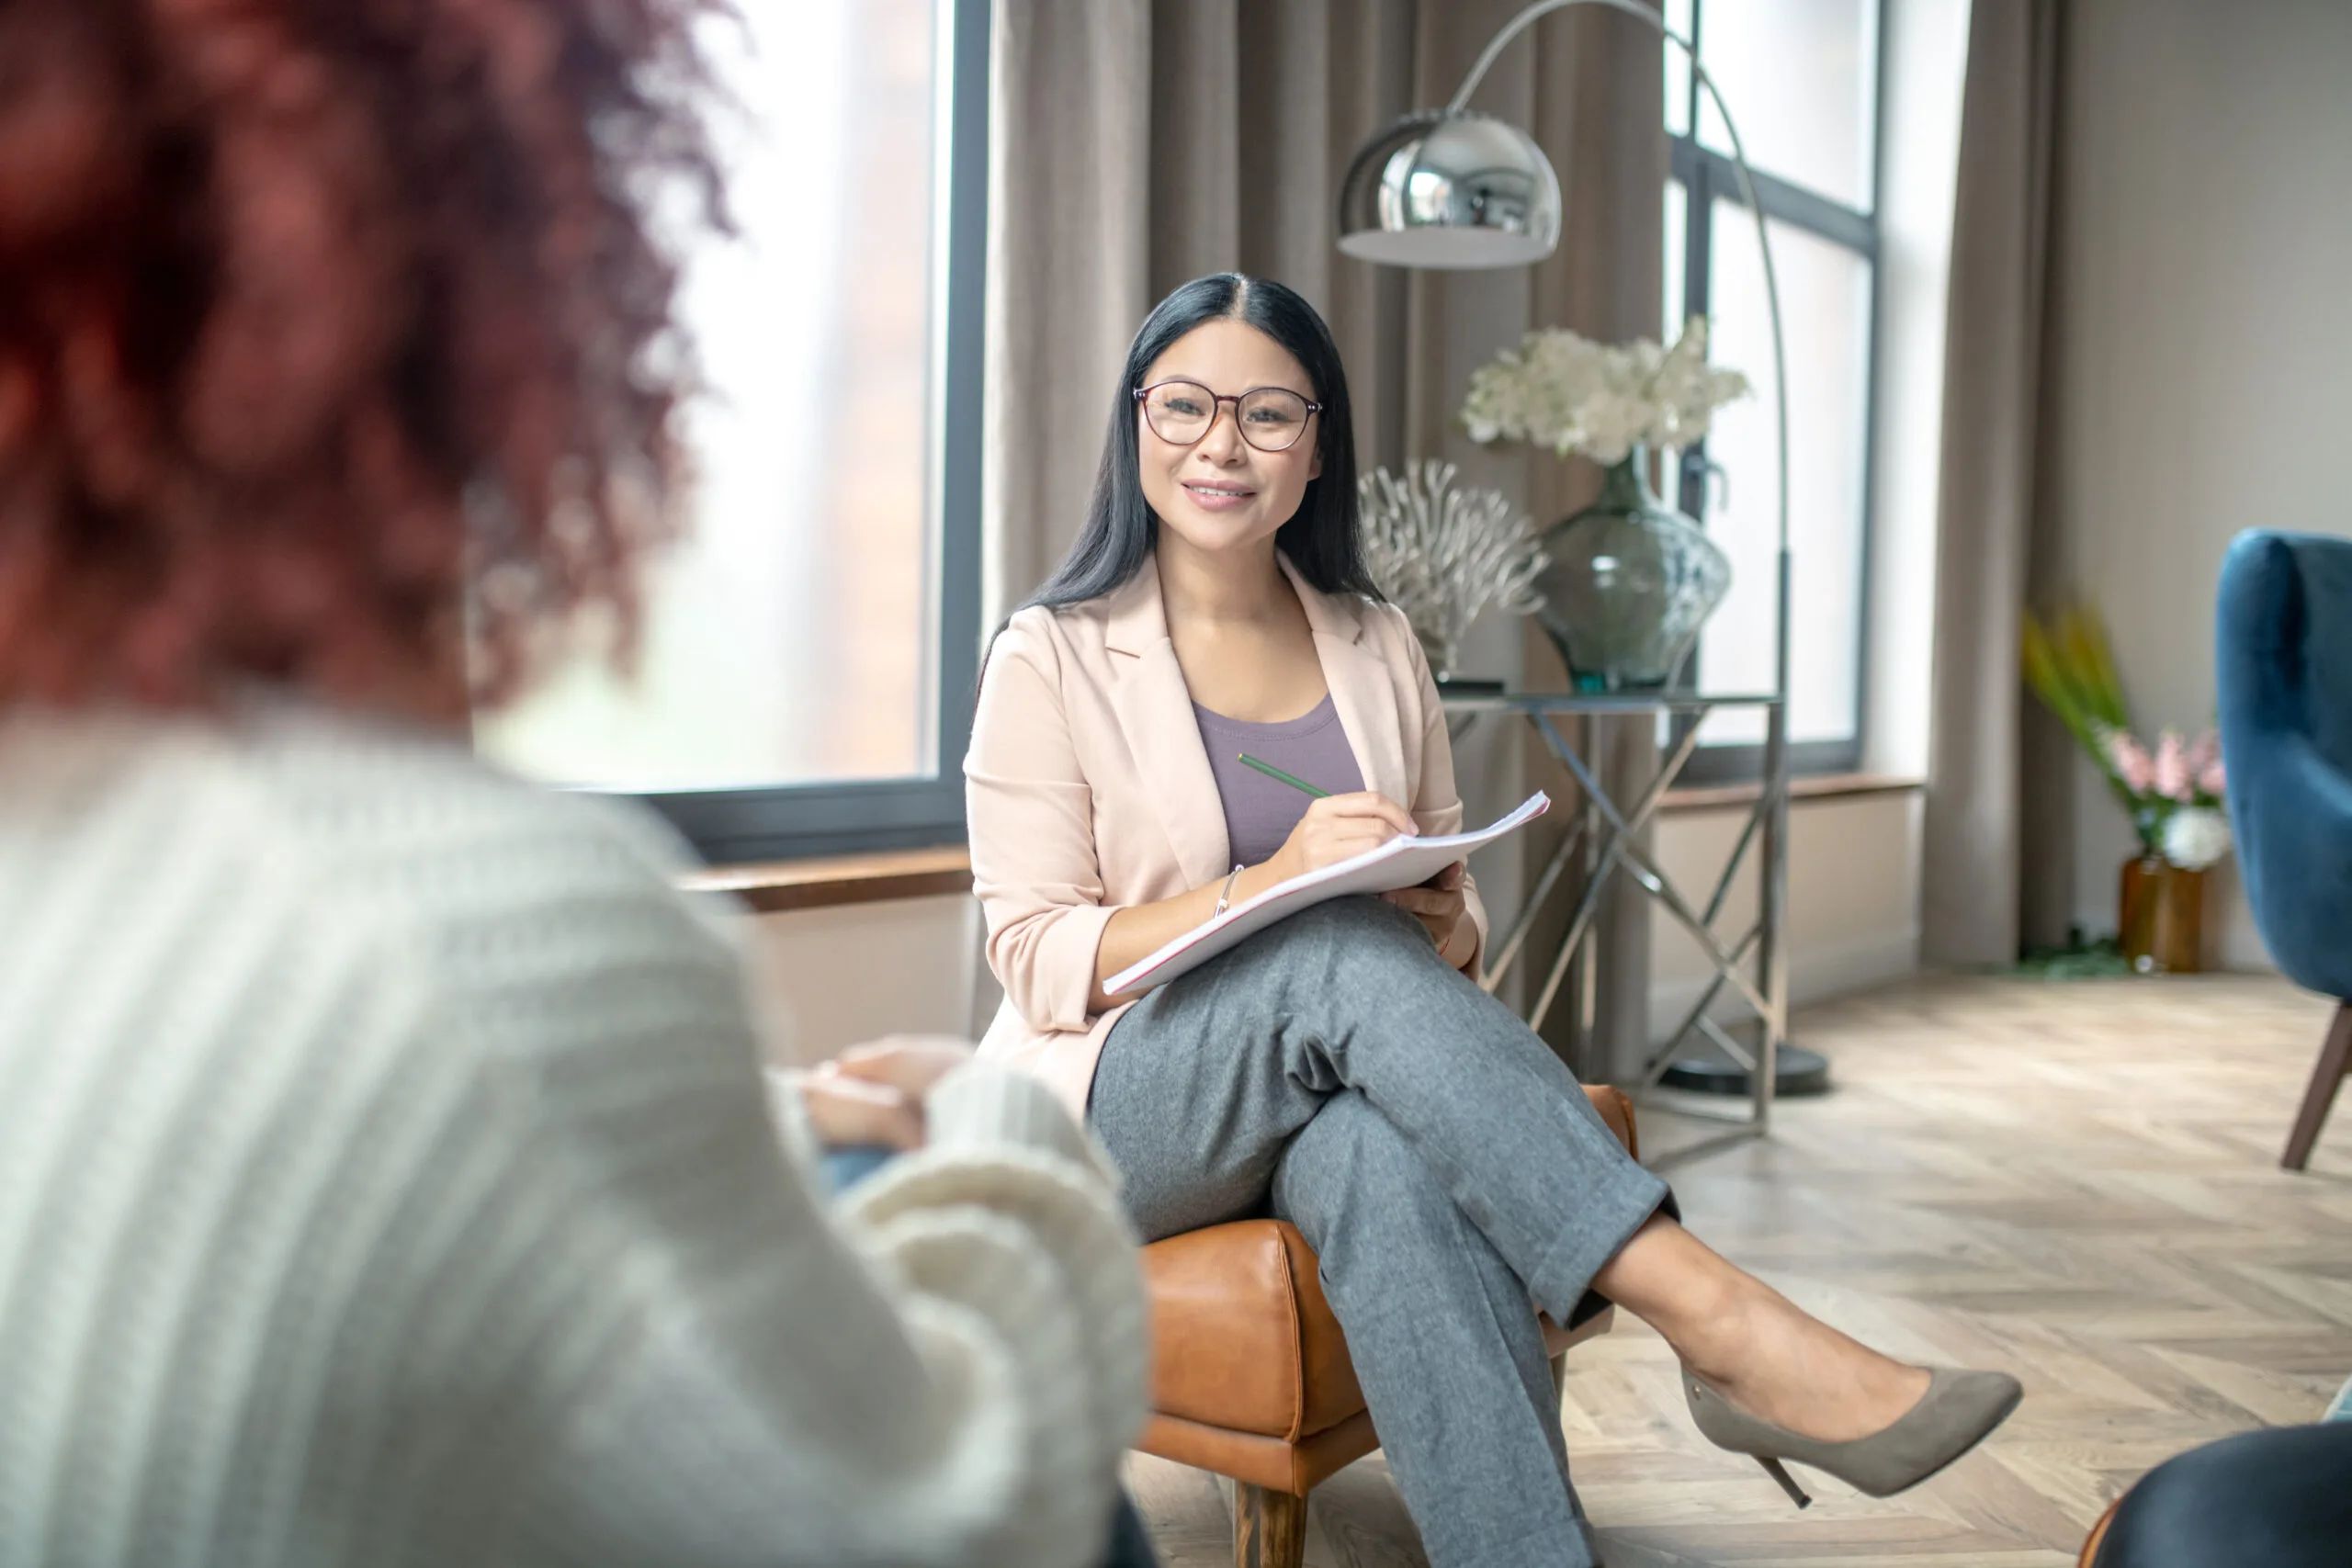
(1463, 1166)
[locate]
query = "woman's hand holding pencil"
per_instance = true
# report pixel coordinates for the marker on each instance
(1340, 827)
(1337, 827)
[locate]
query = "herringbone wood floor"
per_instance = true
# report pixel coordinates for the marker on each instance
(2077, 1183)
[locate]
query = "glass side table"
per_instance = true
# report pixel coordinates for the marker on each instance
(1603, 841)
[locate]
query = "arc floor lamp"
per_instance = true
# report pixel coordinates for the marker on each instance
(1453, 188)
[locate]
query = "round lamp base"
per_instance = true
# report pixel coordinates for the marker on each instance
(1796, 1072)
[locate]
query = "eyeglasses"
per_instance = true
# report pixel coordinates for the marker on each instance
(1272, 419)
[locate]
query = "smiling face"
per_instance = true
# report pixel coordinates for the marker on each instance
(1220, 494)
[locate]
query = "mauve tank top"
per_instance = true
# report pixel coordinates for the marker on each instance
(1259, 812)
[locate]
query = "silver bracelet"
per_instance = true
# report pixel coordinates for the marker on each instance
(1225, 894)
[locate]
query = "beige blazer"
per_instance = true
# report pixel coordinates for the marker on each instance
(1087, 789)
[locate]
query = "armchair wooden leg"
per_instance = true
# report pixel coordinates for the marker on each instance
(2335, 1061)
(1269, 1528)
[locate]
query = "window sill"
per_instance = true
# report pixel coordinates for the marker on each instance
(1811, 786)
(774, 887)
(770, 888)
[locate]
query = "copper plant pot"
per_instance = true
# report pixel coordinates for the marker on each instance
(2161, 922)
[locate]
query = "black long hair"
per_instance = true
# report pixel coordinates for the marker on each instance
(1320, 538)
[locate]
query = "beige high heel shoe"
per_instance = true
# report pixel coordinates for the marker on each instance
(1958, 1412)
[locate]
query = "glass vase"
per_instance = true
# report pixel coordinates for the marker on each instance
(2160, 917)
(1630, 583)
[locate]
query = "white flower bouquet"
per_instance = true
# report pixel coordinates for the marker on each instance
(1572, 395)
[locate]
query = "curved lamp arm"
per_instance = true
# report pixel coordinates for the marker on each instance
(1494, 47)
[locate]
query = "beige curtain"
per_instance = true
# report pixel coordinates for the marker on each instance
(1068, 139)
(1994, 866)
(1138, 143)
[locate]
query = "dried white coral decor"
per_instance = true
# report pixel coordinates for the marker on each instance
(1443, 555)
(1570, 394)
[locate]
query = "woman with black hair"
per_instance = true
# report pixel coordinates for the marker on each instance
(1339, 1067)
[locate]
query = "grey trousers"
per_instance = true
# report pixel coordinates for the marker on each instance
(1445, 1167)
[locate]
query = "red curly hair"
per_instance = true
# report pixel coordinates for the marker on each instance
(334, 339)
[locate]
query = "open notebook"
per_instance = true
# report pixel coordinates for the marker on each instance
(1399, 862)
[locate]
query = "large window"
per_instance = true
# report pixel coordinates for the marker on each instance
(1802, 76)
(809, 653)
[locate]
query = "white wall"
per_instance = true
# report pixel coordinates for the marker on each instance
(2201, 329)
(831, 977)
(1853, 899)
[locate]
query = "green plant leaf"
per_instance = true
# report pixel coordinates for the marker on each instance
(2068, 667)
(2091, 656)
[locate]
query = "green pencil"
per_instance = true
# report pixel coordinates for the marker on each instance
(1273, 772)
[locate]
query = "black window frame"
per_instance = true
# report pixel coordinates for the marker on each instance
(1706, 176)
(802, 820)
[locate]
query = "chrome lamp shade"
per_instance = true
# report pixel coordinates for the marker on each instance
(1450, 188)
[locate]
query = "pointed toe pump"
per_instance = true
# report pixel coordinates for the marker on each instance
(1959, 1411)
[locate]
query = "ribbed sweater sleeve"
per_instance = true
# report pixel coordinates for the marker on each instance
(386, 1178)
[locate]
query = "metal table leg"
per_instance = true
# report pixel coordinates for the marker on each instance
(1604, 840)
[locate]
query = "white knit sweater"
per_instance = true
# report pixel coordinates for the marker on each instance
(385, 1178)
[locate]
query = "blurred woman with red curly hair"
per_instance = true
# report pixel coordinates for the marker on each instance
(386, 1175)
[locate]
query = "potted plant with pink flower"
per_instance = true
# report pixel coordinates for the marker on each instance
(2173, 794)
(2173, 791)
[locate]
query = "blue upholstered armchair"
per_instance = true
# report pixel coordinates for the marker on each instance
(2285, 653)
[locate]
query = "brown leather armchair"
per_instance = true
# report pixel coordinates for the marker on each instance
(2098, 1535)
(1250, 1376)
